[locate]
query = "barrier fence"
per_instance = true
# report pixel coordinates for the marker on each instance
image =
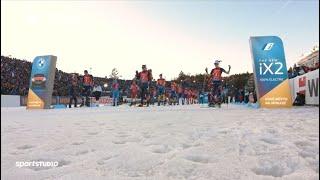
(65, 100)
(307, 84)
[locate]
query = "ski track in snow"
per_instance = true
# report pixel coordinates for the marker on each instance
(177, 142)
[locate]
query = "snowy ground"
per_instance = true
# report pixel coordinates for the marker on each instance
(185, 142)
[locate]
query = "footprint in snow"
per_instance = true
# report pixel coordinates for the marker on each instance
(77, 143)
(103, 160)
(122, 135)
(161, 149)
(93, 133)
(198, 158)
(81, 152)
(277, 169)
(25, 147)
(118, 142)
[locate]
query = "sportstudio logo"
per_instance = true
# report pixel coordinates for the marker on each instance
(268, 47)
(41, 63)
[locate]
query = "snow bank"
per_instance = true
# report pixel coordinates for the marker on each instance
(180, 142)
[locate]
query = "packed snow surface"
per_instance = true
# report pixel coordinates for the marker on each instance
(176, 142)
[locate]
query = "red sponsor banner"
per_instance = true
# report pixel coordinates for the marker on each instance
(302, 85)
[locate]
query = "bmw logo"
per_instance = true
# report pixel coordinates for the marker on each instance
(41, 63)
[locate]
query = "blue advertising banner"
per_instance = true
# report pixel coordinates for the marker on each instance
(41, 82)
(270, 71)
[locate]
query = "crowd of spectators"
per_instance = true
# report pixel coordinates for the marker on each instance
(15, 76)
(300, 70)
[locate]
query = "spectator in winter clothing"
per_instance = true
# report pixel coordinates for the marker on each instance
(300, 100)
(97, 91)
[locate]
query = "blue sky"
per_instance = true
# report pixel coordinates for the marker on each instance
(167, 36)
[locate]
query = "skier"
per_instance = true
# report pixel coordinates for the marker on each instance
(224, 94)
(134, 92)
(180, 95)
(161, 83)
(189, 96)
(74, 90)
(149, 95)
(144, 78)
(194, 96)
(173, 94)
(216, 83)
(201, 97)
(167, 95)
(115, 92)
(154, 96)
(87, 82)
(185, 95)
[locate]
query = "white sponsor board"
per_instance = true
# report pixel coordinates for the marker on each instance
(307, 84)
(10, 101)
(312, 89)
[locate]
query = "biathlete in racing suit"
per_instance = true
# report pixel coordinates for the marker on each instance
(144, 77)
(87, 84)
(161, 83)
(134, 92)
(173, 94)
(180, 95)
(216, 83)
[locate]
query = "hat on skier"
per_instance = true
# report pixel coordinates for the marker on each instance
(144, 66)
(217, 62)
